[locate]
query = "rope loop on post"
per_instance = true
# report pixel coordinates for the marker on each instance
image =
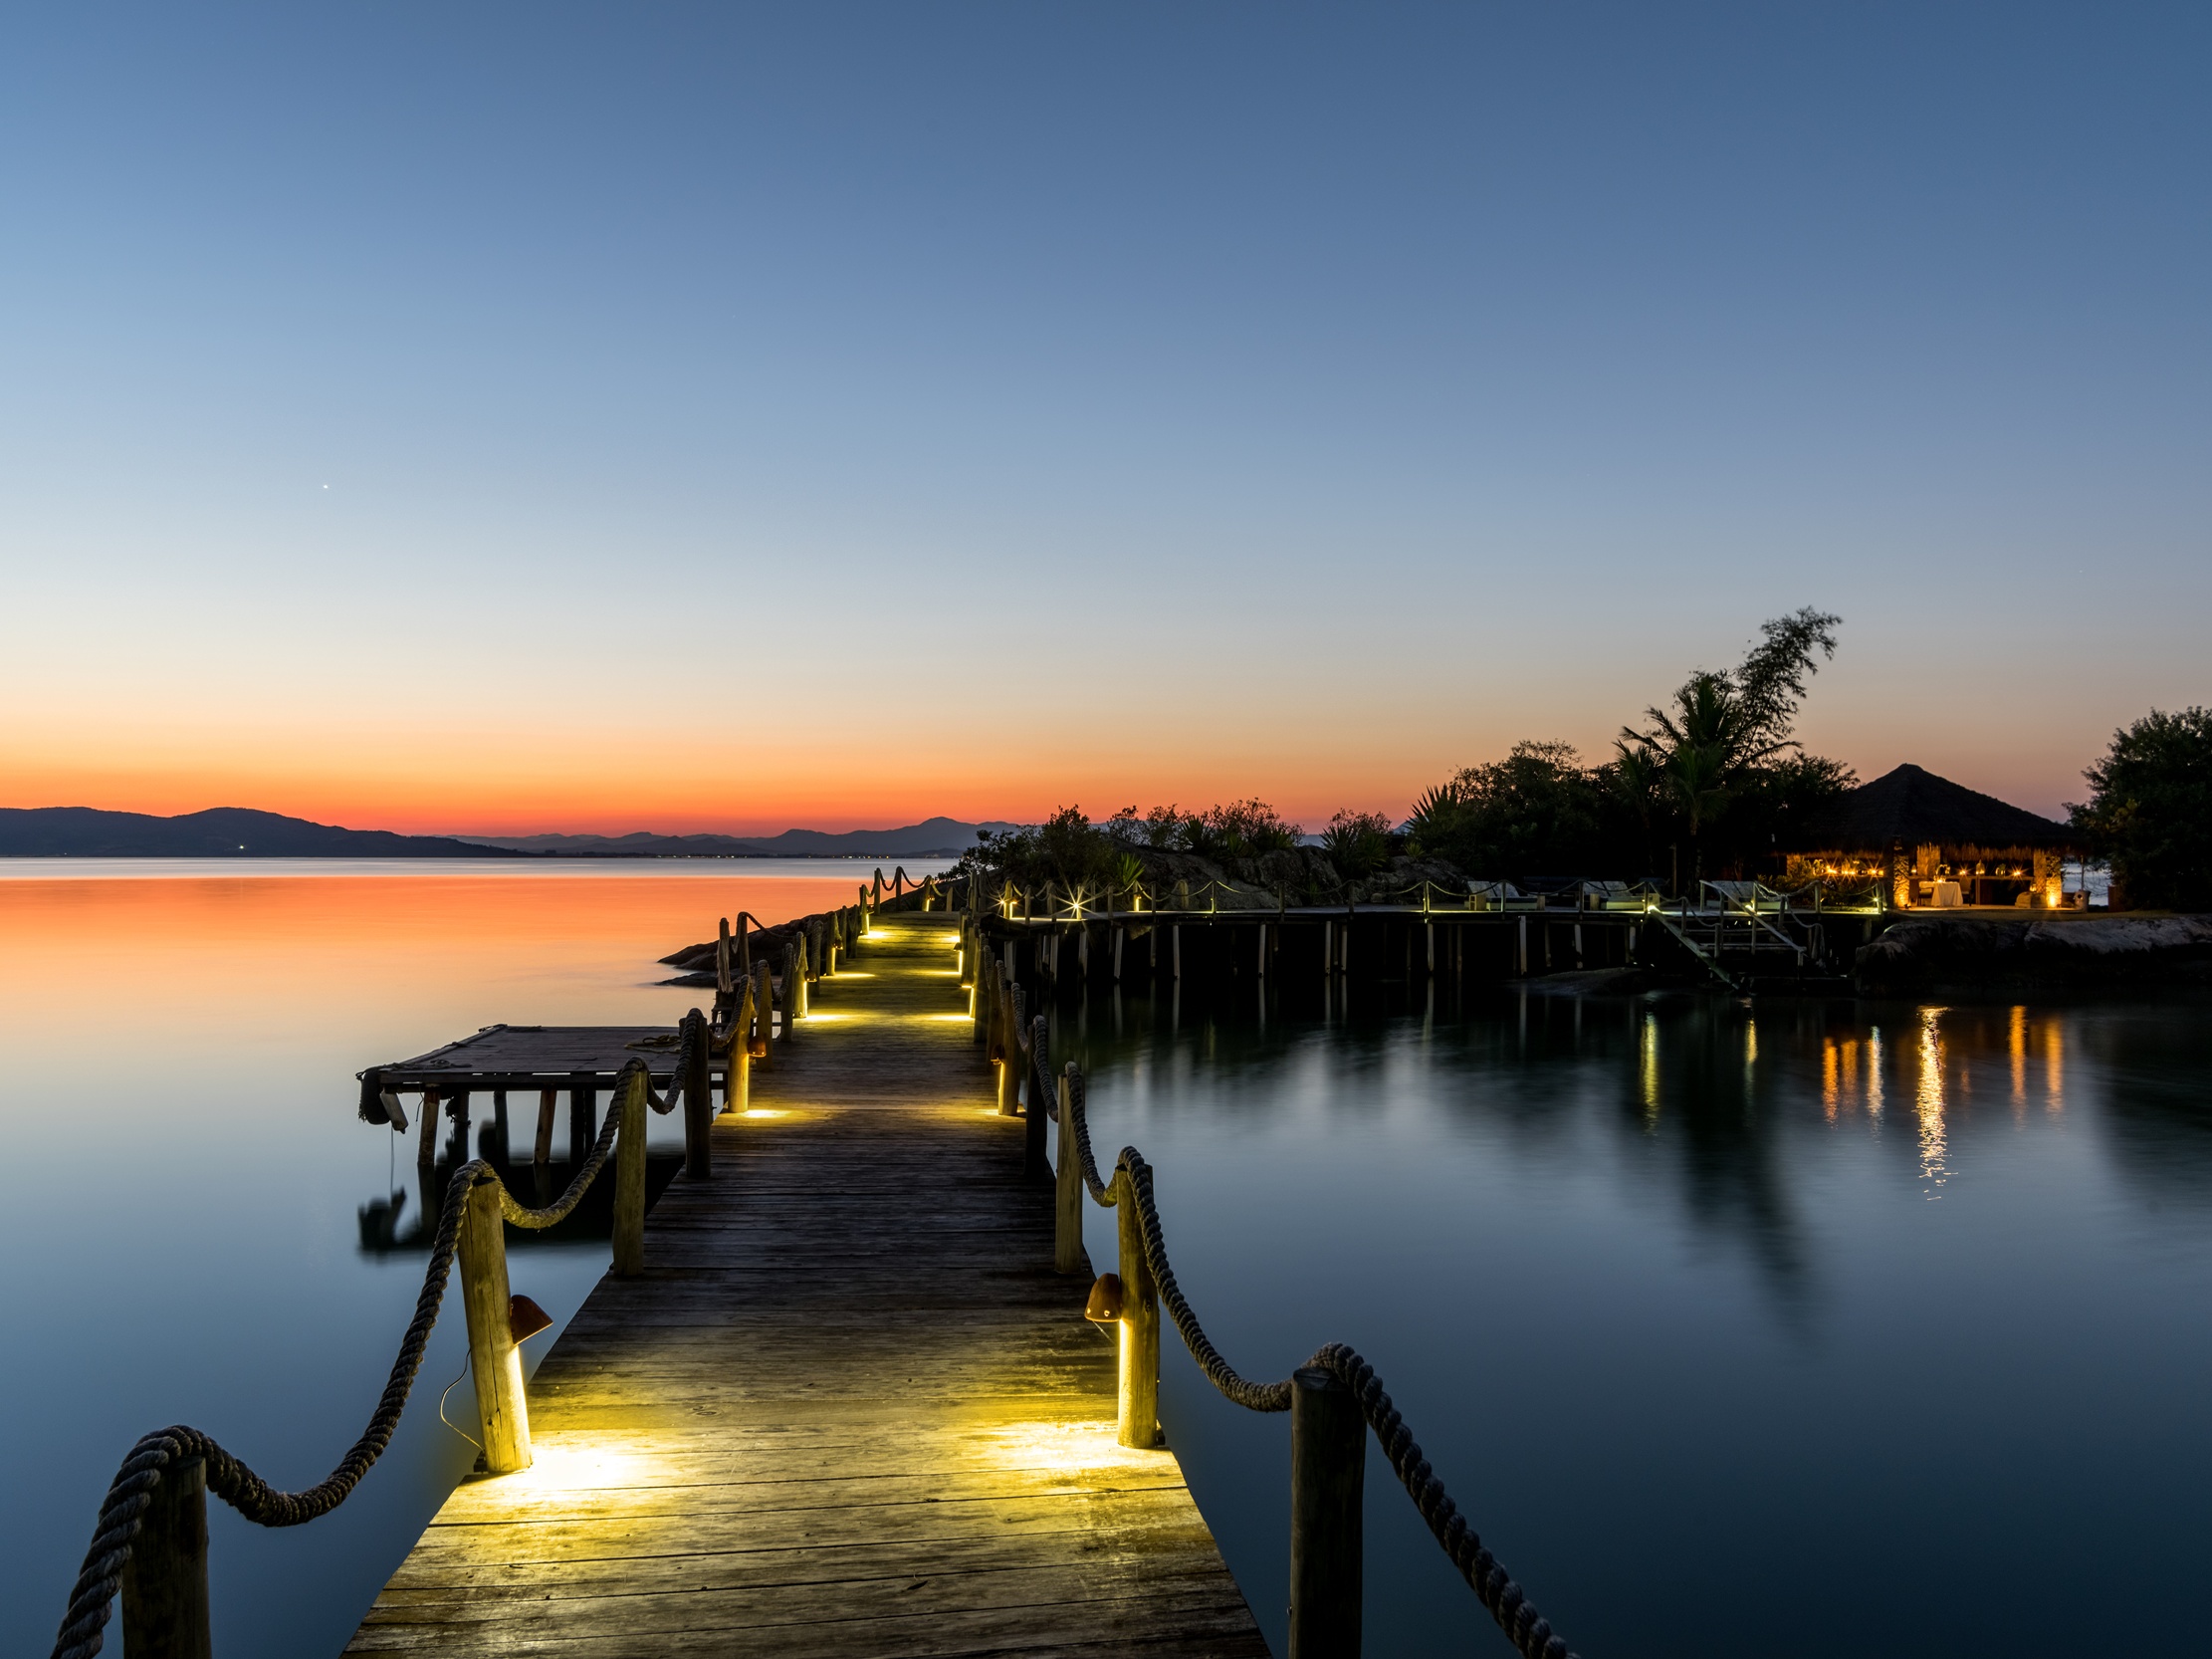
(1531, 1634)
(129, 1495)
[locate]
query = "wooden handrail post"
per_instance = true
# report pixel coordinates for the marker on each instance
(1328, 1470)
(722, 981)
(737, 1080)
(764, 1010)
(165, 1584)
(1010, 1051)
(1140, 1325)
(698, 1101)
(1067, 1189)
(493, 1360)
(629, 1178)
(797, 996)
(1033, 1163)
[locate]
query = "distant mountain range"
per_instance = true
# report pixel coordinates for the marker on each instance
(942, 838)
(218, 833)
(242, 832)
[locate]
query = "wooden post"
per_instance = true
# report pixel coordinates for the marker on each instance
(583, 1114)
(1328, 949)
(1175, 947)
(1328, 1467)
(1083, 952)
(1033, 1162)
(1521, 926)
(1429, 929)
(722, 982)
(764, 1010)
(426, 1132)
(1140, 1325)
(1119, 932)
(498, 1122)
(629, 1178)
(1067, 1185)
(1009, 1049)
(737, 1078)
(165, 1584)
(798, 998)
(493, 1360)
(541, 1149)
(1261, 966)
(699, 1102)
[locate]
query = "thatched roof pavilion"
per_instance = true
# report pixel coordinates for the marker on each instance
(1933, 841)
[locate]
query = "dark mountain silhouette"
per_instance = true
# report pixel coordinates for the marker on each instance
(936, 836)
(218, 833)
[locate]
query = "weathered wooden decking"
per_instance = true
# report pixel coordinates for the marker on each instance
(849, 1409)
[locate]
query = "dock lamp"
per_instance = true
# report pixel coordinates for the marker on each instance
(1104, 1305)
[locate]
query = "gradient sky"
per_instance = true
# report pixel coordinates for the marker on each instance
(539, 417)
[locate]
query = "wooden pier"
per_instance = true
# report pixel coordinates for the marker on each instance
(847, 1408)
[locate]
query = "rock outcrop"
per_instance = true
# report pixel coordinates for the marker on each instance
(2051, 952)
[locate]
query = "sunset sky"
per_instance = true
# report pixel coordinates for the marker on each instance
(701, 418)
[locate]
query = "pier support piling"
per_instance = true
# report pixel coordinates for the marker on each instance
(1328, 1468)
(165, 1584)
(495, 1361)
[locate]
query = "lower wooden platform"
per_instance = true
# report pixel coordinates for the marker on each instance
(849, 1408)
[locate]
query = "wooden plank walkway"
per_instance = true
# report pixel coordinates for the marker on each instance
(848, 1409)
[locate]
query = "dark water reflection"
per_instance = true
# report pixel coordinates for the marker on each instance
(1810, 1328)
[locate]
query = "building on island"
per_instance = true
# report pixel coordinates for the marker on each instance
(1928, 841)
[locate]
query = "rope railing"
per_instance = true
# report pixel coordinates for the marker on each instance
(1319, 1593)
(136, 1493)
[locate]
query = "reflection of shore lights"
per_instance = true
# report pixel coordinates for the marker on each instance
(1874, 1071)
(1649, 1066)
(1933, 1144)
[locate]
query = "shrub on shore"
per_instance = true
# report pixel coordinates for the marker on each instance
(2149, 811)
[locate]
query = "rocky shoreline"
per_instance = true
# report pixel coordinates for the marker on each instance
(1939, 953)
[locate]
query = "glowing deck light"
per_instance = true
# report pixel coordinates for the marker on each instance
(524, 1319)
(1105, 1303)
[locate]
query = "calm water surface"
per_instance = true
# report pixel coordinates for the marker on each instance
(1810, 1328)
(198, 1229)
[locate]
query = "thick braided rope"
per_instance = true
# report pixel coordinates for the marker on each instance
(587, 1173)
(1254, 1396)
(1527, 1630)
(1082, 1127)
(690, 1028)
(1042, 1088)
(131, 1493)
(1493, 1586)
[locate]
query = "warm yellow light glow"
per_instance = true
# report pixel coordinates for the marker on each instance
(1933, 1146)
(763, 1111)
(1650, 1068)
(1874, 1071)
(963, 1019)
(1066, 1448)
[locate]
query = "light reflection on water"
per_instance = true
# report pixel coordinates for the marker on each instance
(1716, 1360)
(200, 1230)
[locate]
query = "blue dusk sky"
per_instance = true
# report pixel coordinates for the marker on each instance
(675, 417)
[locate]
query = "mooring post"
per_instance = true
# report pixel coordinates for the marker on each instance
(165, 1584)
(737, 1077)
(1119, 934)
(797, 996)
(426, 1132)
(630, 1177)
(1140, 1324)
(493, 1360)
(1032, 1126)
(1328, 1468)
(1009, 1067)
(1260, 967)
(1068, 1184)
(699, 1099)
(764, 1010)
(1175, 947)
(721, 957)
(541, 1150)
(1522, 927)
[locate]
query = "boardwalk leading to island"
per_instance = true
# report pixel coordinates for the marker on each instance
(848, 1408)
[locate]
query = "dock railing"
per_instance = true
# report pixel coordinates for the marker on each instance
(149, 1544)
(1333, 1400)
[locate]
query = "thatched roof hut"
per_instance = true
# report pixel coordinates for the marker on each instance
(1933, 841)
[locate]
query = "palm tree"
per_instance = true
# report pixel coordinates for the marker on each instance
(1702, 751)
